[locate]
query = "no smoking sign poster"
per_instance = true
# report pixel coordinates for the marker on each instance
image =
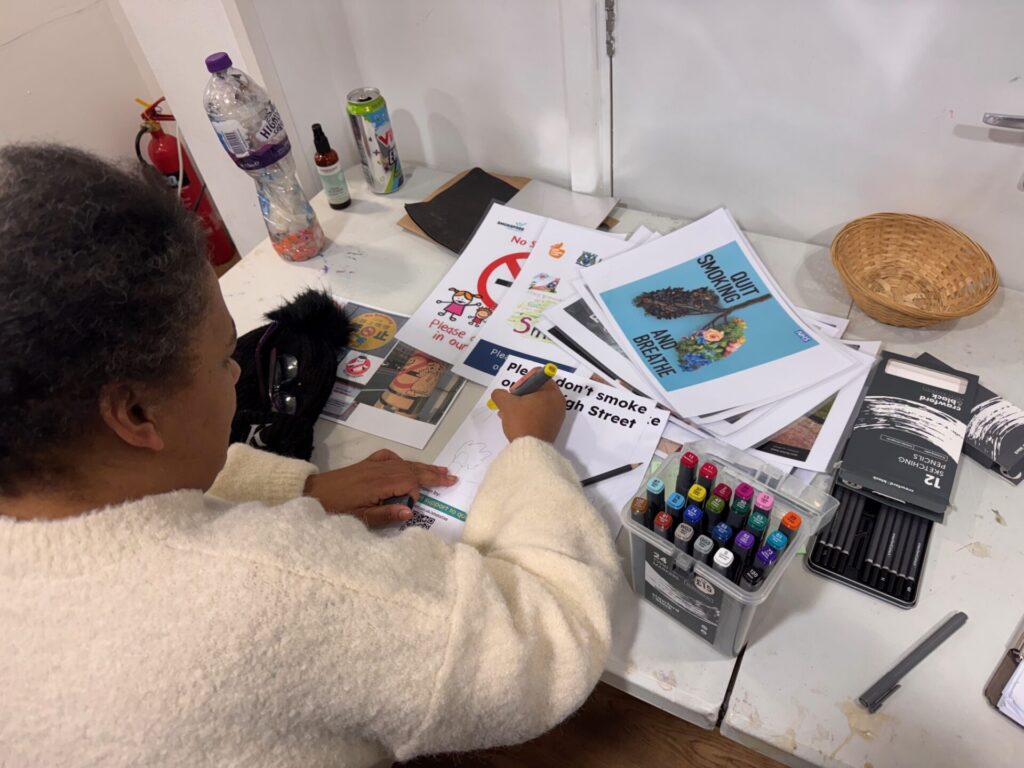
(464, 300)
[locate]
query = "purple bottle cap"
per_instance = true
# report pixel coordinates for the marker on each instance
(744, 491)
(217, 62)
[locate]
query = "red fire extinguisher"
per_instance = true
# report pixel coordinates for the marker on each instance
(171, 159)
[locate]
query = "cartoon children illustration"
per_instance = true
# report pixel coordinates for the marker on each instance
(481, 314)
(459, 302)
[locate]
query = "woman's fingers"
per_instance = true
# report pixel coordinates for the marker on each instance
(388, 514)
(432, 476)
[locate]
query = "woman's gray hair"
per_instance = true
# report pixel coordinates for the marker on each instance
(102, 280)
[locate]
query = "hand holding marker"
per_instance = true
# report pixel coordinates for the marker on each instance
(540, 416)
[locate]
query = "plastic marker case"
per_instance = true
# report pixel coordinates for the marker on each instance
(697, 597)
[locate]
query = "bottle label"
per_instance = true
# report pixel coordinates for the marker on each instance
(232, 138)
(273, 142)
(335, 187)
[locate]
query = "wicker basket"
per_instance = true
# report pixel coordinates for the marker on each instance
(912, 271)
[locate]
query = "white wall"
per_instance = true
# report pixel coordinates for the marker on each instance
(803, 114)
(468, 82)
(68, 76)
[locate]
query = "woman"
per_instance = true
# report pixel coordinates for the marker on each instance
(167, 601)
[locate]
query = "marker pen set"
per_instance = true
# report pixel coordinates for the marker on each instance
(872, 547)
(711, 531)
(723, 527)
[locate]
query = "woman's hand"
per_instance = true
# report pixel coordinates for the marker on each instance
(359, 489)
(539, 414)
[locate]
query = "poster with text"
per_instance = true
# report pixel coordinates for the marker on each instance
(561, 252)
(704, 321)
(461, 304)
(604, 429)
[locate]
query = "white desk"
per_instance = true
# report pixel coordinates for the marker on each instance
(820, 645)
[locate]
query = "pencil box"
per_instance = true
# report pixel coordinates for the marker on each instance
(995, 433)
(665, 572)
(872, 547)
(907, 437)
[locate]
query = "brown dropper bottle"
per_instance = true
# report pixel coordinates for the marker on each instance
(331, 174)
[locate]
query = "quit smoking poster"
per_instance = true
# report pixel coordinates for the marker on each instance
(386, 387)
(700, 316)
(462, 303)
(544, 282)
(604, 428)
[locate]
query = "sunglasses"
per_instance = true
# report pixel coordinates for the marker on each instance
(283, 376)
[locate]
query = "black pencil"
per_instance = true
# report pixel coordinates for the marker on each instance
(609, 474)
(917, 561)
(901, 545)
(901, 548)
(836, 536)
(844, 530)
(823, 546)
(851, 533)
(888, 549)
(876, 561)
(872, 550)
(908, 548)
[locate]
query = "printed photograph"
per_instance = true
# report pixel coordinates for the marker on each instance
(411, 384)
(796, 441)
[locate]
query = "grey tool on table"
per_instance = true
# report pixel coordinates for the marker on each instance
(889, 683)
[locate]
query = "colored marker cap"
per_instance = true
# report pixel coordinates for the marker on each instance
(676, 502)
(744, 491)
(766, 557)
(693, 515)
(757, 523)
(752, 578)
(764, 501)
(638, 507)
(790, 524)
(723, 561)
(708, 471)
(689, 460)
(654, 485)
(663, 524)
(723, 491)
(777, 540)
(702, 548)
(684, 536)
(744, 541)
(697, 493)
(721, 534)
(715, 505)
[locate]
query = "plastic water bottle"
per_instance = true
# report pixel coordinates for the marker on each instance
(251, 131)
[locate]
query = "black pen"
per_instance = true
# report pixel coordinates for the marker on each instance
(609, 474)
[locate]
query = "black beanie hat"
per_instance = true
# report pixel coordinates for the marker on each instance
(312, 328)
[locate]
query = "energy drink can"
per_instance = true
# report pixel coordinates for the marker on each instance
(371, 127)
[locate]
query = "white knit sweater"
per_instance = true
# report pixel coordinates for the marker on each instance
(182, 630)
